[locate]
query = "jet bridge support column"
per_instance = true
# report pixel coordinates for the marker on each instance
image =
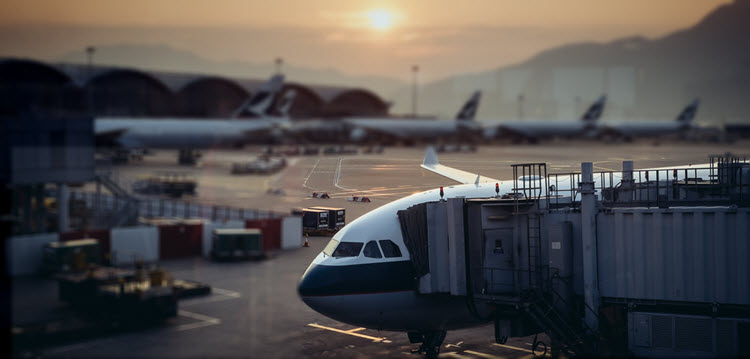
(588, 238)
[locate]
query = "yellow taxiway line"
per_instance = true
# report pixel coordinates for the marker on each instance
(351, 332)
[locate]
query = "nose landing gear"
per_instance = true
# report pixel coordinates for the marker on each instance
(431, 342)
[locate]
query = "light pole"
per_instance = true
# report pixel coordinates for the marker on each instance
(278, 62)
(415, 72)
(520, 106)
(90, 50)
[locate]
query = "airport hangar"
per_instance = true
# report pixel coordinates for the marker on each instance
(119, 91)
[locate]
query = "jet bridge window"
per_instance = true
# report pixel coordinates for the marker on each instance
(347, 249)
(371, 250)
(390, 249)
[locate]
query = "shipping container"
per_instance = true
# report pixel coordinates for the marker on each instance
(237, 243)
(180, 239)
(271, 230)
(336, 216)
(314, 218)
(75, 255)
(102, 235)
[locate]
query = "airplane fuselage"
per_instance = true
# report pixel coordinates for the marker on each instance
(182, 133)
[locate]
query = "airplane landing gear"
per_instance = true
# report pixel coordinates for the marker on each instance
(431, 342)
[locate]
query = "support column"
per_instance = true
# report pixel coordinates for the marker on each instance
(63, 199)
(588, 237)
(626, 189)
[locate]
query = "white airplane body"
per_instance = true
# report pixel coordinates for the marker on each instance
(536, 129)
(181, 133)
(359, 278)
(630, 129)
(361, 128)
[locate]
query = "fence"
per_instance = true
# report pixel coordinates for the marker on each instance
(151, 208)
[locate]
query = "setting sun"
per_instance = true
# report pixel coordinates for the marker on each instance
(380, 19)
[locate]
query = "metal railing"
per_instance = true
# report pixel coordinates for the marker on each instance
(164, 208)
(660, 187)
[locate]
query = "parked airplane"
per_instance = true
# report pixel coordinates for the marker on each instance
(532, 131)
(382, 129)
(191, 134)
(631, 129)
(364, 276)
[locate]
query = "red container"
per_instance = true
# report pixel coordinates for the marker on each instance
(271, 229)
(102, 235)
(180, 240)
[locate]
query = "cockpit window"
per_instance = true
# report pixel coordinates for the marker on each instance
(328, 250)
(347, 249)
(371, 250)
(390, 249)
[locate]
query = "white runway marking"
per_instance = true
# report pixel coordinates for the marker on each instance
(304, 184)
(351, 332)
(203, 320)
(221, 294)
(337, 178)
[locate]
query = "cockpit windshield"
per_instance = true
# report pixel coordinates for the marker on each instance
(347, 249)
(328, 250)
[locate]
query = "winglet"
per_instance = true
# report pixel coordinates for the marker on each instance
(430, 157)
(476, 183)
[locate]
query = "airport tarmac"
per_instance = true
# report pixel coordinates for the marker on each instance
(254, 310)
(395, 173)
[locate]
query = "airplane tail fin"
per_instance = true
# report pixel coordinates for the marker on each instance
(469, 109)
(687, 114)
(286, 102)
(594, 111)
(260, 103)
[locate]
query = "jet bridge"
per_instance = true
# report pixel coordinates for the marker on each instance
(650, 262)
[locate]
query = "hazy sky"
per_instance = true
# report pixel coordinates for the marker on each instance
(356, 37)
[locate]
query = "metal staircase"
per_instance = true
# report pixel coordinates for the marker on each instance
(125, 209)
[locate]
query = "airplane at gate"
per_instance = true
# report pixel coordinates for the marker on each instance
(534, 130)
(181, 133)
(631, 129)
(361, 129)
(364, 275)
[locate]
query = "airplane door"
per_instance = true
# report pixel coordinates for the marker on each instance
(498, 260)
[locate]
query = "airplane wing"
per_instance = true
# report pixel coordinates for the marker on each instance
(432, 164)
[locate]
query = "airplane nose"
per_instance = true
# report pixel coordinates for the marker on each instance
(311, 282)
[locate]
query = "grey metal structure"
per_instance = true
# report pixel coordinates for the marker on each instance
(596, 260)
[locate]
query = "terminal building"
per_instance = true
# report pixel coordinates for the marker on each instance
(128, 92)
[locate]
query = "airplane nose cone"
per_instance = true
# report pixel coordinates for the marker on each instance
(305, 286)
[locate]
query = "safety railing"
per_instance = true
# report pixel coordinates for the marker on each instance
(163, 208)
(659, 187)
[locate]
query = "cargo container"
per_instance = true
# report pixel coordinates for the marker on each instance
(336, 216)
(237, 243)
(314, 219)
(70, 255)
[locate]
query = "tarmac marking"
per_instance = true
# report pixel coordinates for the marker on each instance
(223, 294)
(483, 355)
(304, 184)
(204, 320)
(516, 348)
(347, 332)
(337, 177)
(355, 330)
(455, 355)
